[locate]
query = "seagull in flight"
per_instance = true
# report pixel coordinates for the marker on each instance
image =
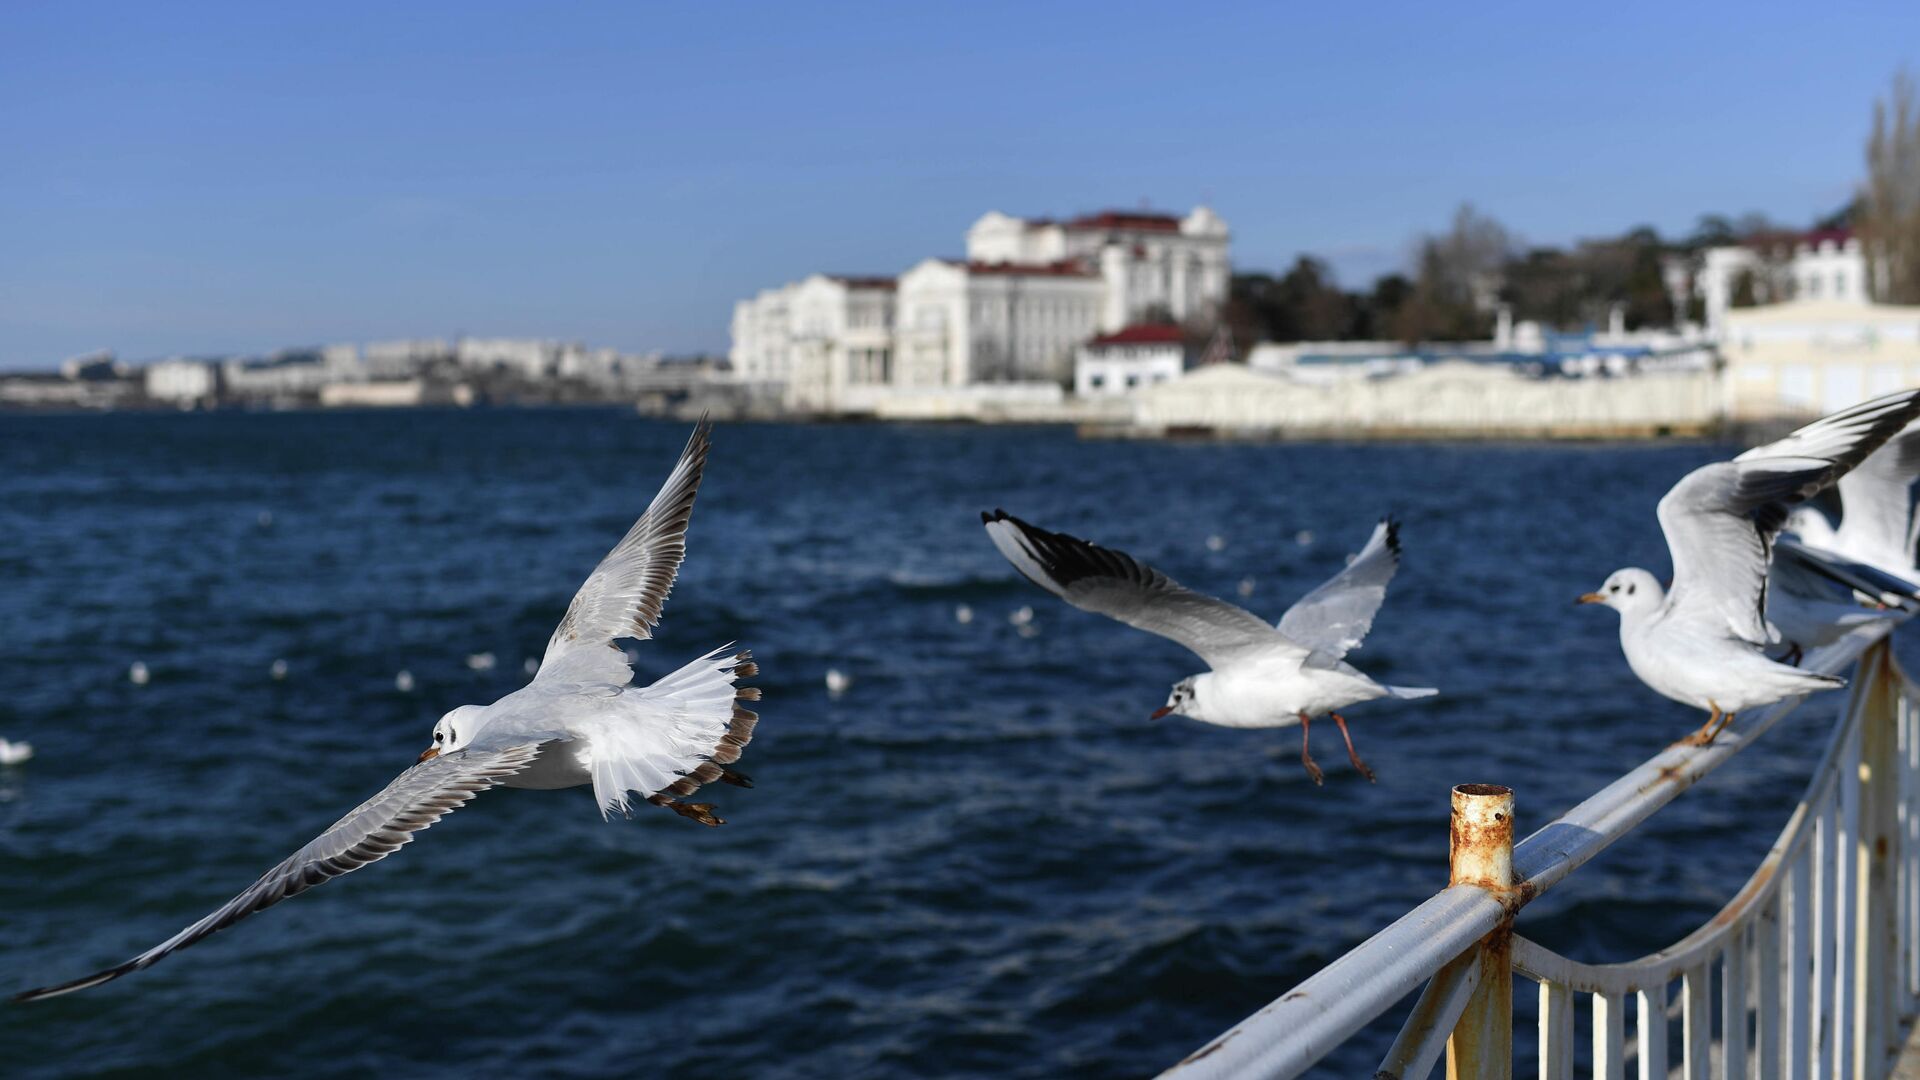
(1701, 642)
(1260, 676)
(582, 720)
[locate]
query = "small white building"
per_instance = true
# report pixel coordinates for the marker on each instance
(1810, 357)
(1823, 265)
(1116, 364)
(183, 382)
(404, 358)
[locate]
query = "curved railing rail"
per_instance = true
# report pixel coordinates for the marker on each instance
(1809, 971)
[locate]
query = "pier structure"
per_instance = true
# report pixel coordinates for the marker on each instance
(1810, 970)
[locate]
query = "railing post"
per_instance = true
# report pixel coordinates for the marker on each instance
(1876, 986)
(1481, 853)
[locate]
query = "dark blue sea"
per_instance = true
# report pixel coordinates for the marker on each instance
(982, 859)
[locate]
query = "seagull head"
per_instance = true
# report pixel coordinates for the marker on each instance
(1627, 591)
(453, 731)
(1182, 700)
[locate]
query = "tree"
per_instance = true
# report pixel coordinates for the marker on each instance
(1890, 199)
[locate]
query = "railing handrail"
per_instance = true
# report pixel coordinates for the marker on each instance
(1299, 1028)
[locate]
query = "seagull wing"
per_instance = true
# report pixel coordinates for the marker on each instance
(1720, 519)
(1876, 503)
(1117, 585)
(624, 594)
(377, 828)
(1334, 618)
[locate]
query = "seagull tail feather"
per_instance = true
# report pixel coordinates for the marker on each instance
(1408, 693)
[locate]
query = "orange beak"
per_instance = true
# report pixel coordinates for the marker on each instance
(428, 754)
(1160, 712)
(1591, 598)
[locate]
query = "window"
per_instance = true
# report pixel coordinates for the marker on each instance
(1840, 284)
(1096, 380)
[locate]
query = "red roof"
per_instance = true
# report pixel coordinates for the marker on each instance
(1143, 334)
(1820, 236)
(1136, 220)
(1063, 268)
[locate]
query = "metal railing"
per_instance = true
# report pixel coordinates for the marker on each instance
(1811, 970)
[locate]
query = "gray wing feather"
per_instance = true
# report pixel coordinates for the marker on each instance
(1334, 618)
(1720, 519)
(374, 830)
(624, 594)
(1876, 502)
(1115, 584)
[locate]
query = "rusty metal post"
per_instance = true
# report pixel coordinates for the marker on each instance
(1481, 854)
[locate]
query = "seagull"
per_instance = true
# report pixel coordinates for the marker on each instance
(582, 720)
(1877, 520)
(1260, 677)
(1701, 643)
(13, 753)
(1811, 606)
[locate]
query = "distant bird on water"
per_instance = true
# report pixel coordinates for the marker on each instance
(582, 720)
(14, 753)
(1261, 677)
(1700, 643)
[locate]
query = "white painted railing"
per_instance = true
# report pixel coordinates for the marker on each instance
(1811, 970)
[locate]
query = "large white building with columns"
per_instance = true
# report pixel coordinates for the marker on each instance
(1028, 293)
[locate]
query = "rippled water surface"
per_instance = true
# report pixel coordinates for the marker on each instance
(982, 859)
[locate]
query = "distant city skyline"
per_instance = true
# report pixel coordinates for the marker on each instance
(231, 179)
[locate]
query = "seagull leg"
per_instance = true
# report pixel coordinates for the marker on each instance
(696, 811)
(1313, 771)
(1794, 654)
(1715, 723)
(1352, 755)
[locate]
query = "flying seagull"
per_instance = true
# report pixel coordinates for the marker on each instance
(1701, 643)
(582, 720)
(1260, 677)
(1877, 520)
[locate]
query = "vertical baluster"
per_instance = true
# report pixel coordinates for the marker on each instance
(1796, 1050)
(1846, 907)
(1653, 1032)
(1733, 1005)
(1767, 976)
(1696, 1022)
(1556, 1032)
(1480, 853)
(1609, 1037)
(1876, 974)
(1821, 986)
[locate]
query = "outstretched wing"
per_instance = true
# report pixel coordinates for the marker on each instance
(1876, 503)
(1334, 618)
(624, 594)
(1115, 584)
(376, 829)
(1720, 519)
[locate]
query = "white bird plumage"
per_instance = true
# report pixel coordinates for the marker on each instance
(581, 720)
(1701, 642)
(1261, 676)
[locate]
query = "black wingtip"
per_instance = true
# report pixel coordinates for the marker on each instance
(996, 514)
(1393, 533)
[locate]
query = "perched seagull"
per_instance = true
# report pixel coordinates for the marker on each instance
(582, 720)
(1700, 643)
(1261, 677)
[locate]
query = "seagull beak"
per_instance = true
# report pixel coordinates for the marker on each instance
(428, 754)
(1591, 598)
(1160, 712)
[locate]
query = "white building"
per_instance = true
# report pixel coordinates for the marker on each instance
(1827, 264)
(402, 358)
(526, 357)
(1155, 266)
(1116, 364)
(182, 382)
(1027, 295)
(1809, 357)
(1002, 322)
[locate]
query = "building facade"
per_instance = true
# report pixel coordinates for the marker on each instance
(1014, 310)
(1824, 265)
(1809, 357)
(1116, 364)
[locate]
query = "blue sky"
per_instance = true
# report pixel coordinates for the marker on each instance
(212, 178)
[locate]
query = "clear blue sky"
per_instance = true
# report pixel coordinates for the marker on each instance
(235, 177)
